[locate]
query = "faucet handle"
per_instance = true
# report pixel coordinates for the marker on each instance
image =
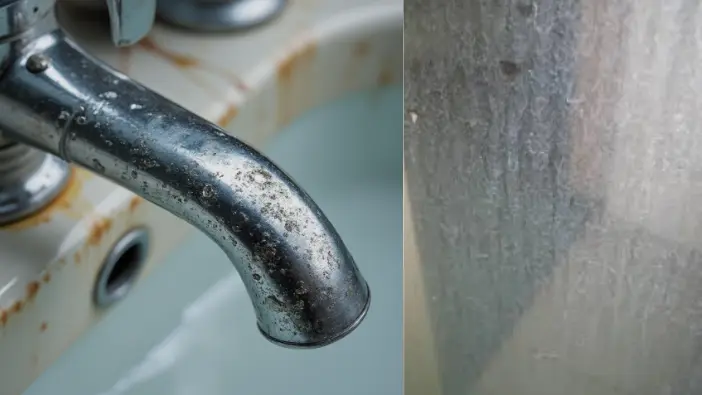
(130, 20)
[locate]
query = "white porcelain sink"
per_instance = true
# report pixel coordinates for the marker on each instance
(189, 327)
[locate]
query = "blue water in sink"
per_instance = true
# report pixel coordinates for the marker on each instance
(189, 328)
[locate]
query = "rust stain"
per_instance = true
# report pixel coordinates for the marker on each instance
(361, 49)
(43, 326)
(98, 229)
(67, 202)
(186, 62)
(32, 290)
(228, 115)
(134, 203)
(179, 60)
(291, 81)
(288, 67)
(76, 257)
(17, 306)
(386, 77)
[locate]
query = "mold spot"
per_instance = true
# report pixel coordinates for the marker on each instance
(76, 257)
(179, 60)
(3, 317)
(98, 230)
(46, 277)
(228, 116)
(17, 307)
(44, 326)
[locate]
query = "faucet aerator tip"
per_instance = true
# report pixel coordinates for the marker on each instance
(326, 339)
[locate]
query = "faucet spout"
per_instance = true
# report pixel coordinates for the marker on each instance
(304, 285)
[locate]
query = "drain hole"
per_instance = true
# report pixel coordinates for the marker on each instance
(122, 267)
(125, 269)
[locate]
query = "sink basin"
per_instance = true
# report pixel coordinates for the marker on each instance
(199, 335)
(318, 91)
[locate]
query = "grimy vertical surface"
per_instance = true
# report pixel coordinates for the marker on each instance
(553, 152)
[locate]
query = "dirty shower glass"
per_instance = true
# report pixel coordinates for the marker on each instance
(554, 166)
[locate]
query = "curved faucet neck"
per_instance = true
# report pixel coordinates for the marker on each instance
(304, 284)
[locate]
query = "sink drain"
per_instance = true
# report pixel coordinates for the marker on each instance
(122, 267)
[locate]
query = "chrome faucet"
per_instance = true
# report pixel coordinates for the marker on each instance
(56, 101)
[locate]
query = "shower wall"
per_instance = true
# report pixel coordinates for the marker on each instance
(420, 371)
(553, 152)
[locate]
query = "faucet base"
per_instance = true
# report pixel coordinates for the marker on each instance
(220, 16)
(29, 180)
